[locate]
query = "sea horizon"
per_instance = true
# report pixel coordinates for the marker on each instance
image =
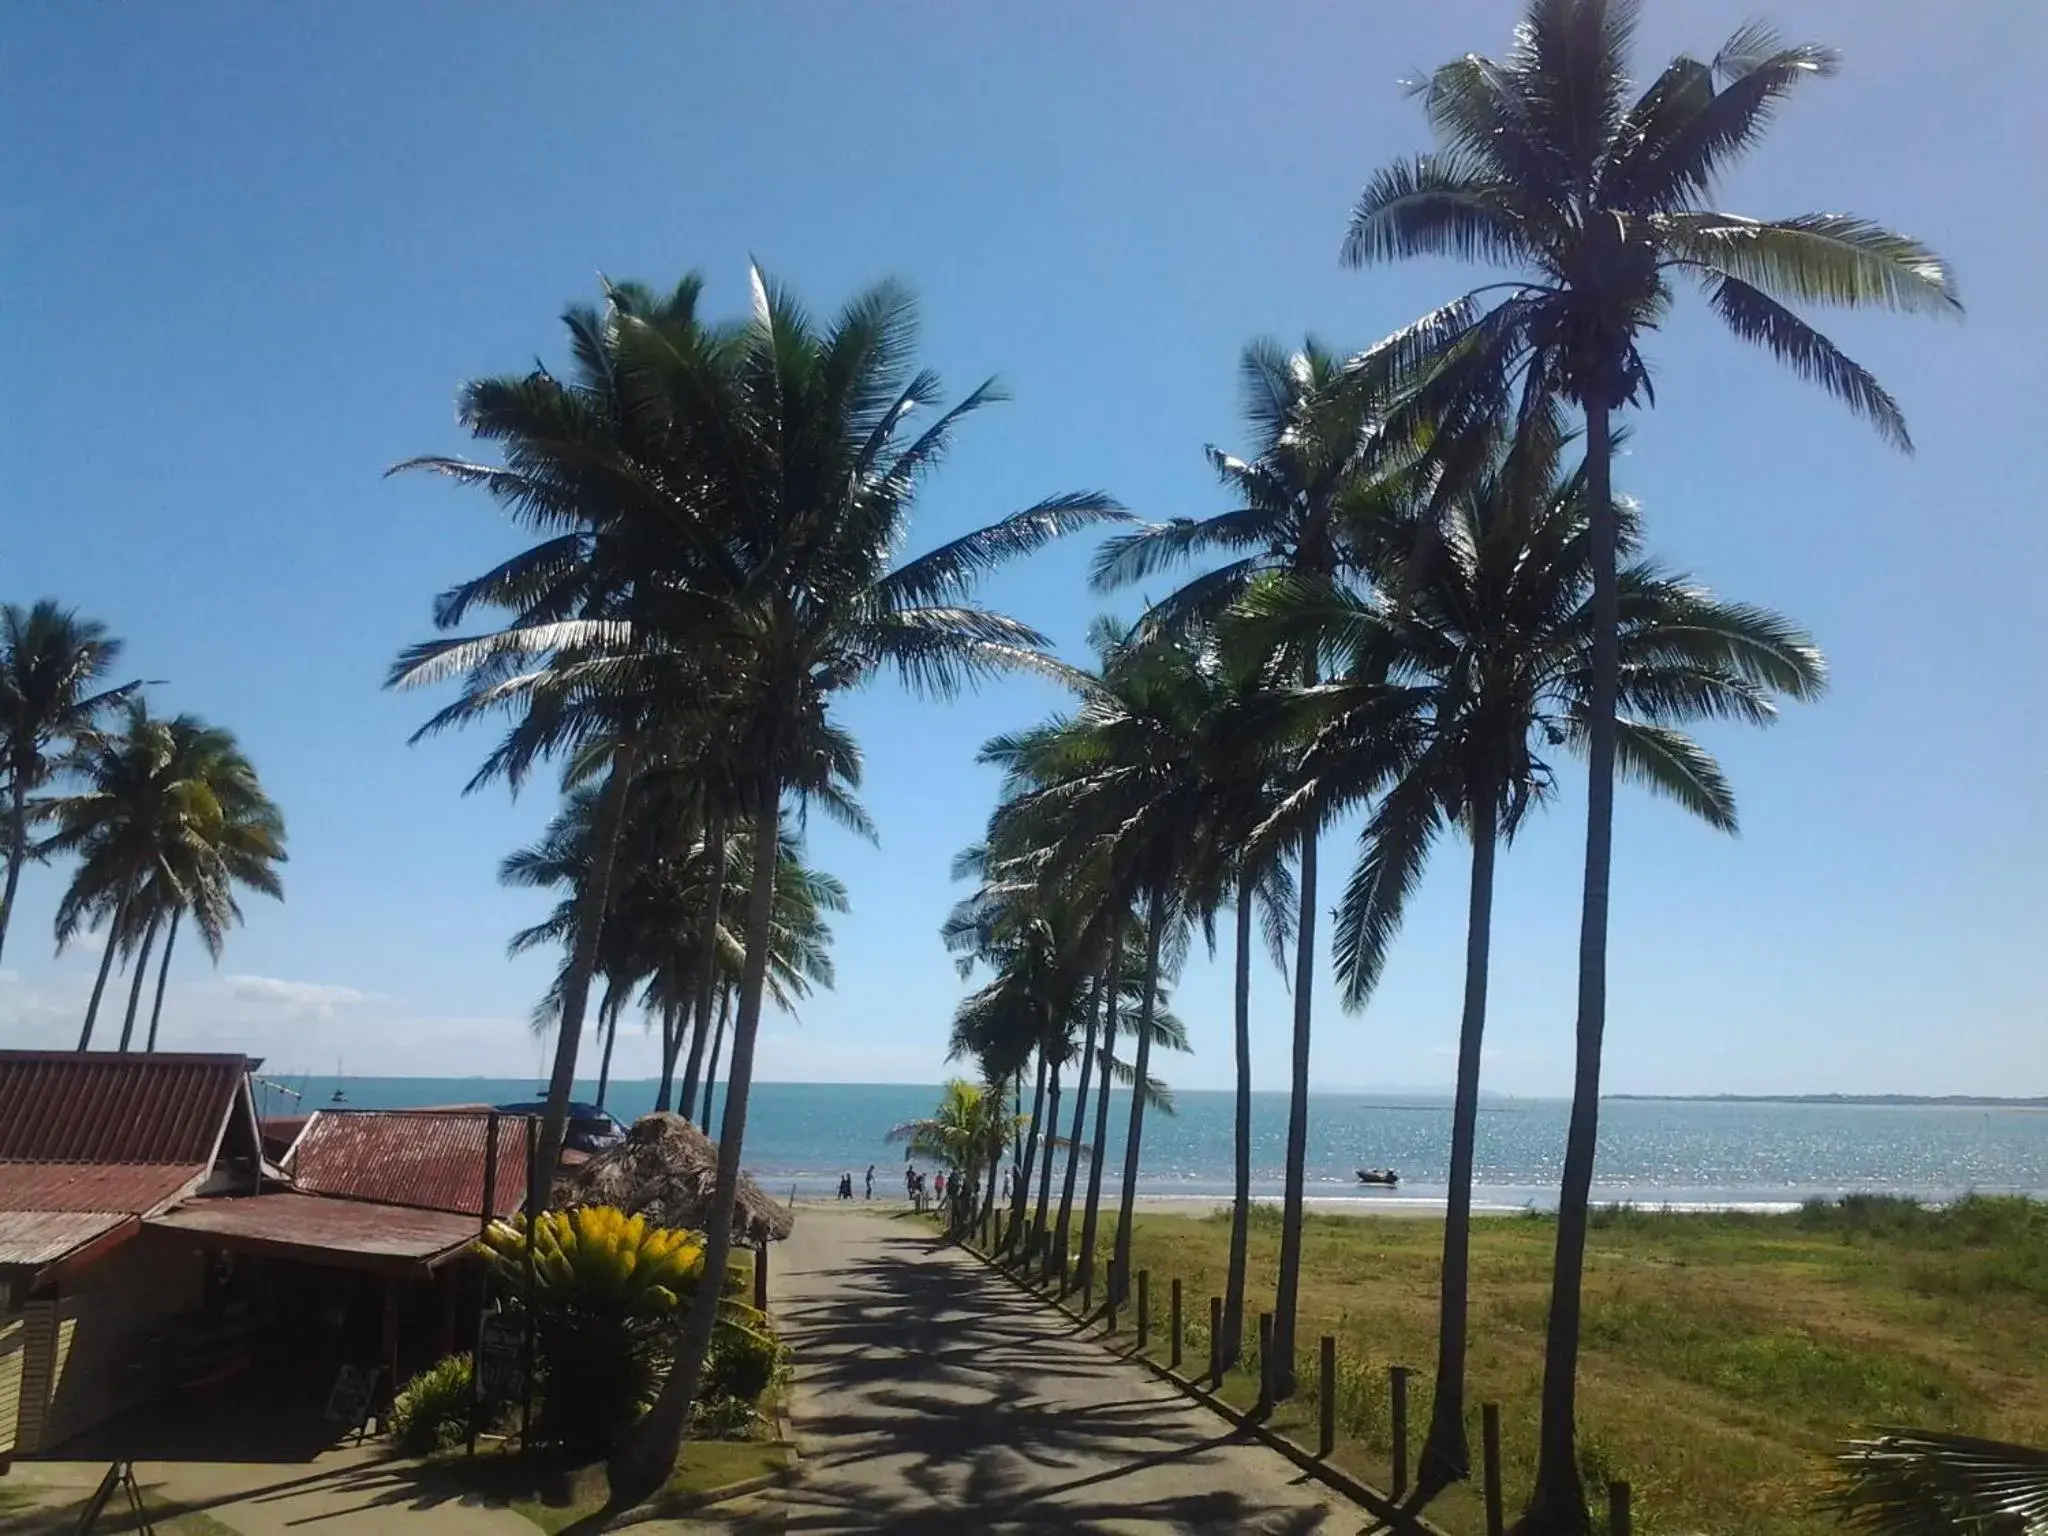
(1704, 1153)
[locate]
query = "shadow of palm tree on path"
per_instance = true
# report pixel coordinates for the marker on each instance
(932, 1396)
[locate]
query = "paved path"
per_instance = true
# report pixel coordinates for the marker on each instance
(932, 1395)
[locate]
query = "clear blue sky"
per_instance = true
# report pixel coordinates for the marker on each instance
(251, 250)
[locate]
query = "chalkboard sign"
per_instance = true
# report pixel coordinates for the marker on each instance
(348, 1404)
(501, 1358)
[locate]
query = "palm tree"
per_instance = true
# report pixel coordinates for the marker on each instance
(1918, 1482)
(51, 662)
(1118, 782)
(1040, 945)
(169, 820)
(599, 655)
(660, 885)
(1471, 658)
(966, 1134)
(1597, 203)
(243, 849)
(815, 479)
(1315, 419)
(1243, 746)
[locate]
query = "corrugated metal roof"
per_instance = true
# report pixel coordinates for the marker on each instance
(35, 1238)
(317, 1229)
(135, 1189)
(432, 1159)
(108, 1107)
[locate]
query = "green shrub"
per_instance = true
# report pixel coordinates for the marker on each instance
(431, 1412)
(743, 1363)
(722, 1418)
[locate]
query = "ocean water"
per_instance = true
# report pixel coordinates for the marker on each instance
(802, 1136)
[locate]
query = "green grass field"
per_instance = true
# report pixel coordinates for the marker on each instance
(1724, 1356)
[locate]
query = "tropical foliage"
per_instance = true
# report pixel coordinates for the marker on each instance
(1596, 197)
(168, 822)
(1423, 594)
(1916, 1482)
(52, 665)
(605, 1288)
(720, 510)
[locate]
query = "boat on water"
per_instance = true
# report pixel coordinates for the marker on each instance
(1379, 1178)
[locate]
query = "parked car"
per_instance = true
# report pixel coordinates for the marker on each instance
(590, 1129)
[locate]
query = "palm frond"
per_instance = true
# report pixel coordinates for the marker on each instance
(1913, 1482)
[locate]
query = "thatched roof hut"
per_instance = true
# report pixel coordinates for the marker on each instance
(666, 1170)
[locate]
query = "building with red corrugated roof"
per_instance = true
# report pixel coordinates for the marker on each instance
(153, 1243)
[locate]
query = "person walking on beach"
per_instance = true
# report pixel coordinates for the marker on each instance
(871, 1182)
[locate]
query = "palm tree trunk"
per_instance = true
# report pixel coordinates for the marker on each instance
(1065, 1227)
(1446, 1453)
(707, 961)
(17, 852)
(1084, 1267)
(1141, 1061)
(92, 1009)
(1027, 1159)
(1052, 1122)
(644, 1462)
(135, 986)
(590, 910)
(1558, 1501)
(988, 1195)
(609, 1018)
(1241, 1137)
(1017, 1117)
(163, 972)
(717, 1046)
(672, 1027)
(1288, 1292)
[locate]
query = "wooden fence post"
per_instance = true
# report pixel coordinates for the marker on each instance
(761, 1276)
(1620, 1521)
(1216, 1341)
(1489, 1422)
(1173, 1308)
(1397, 1382)
(1144, 1309)
(1329, 1399)
(1265, 1405)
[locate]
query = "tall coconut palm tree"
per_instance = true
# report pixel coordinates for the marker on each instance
(168, 820)
(815, 473)
(1243, 746)
(1596, 198)
(242, 851)
(1118, 783)
(52, 663)
(1466, 664)
(1315, 418)
(1038, 944)
(600, 653)
(661, 883)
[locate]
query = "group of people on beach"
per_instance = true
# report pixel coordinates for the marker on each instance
(916, 1188)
